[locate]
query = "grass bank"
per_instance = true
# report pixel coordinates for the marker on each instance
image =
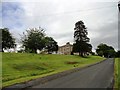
(18, 67)
(117, 74)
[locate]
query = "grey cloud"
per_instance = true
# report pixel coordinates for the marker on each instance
(108, 35)
(63, 35)
(112, 40)
(51, 16)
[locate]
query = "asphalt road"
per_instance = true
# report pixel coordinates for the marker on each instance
(97, 76)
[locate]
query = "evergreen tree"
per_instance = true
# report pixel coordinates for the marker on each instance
(81, 40)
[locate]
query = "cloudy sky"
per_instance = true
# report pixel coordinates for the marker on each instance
(58, 18)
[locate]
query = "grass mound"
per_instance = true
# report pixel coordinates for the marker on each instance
(20, 67)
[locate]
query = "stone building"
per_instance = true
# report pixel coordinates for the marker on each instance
(65, 49)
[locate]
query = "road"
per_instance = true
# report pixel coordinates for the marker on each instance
(96, 76)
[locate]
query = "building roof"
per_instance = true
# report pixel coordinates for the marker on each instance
(68, 43)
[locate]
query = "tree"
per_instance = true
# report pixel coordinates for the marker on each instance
(1, 41)
(81, 40)
(105, 50)
(101, 49)
(117, 54)
(100, 53)
(7, 39)
(51, 44)
(93, 53)
(82, 47)
(87, 48)
(119, 5)
(33, 40)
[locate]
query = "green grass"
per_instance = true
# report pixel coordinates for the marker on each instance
(18, 67)
(0, 70)
(117, 73)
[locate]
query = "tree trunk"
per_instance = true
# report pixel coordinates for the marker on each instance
(2, 50)
(82, 54)
(34, 50)
(56, 52)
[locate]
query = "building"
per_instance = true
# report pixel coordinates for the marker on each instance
(65, 49)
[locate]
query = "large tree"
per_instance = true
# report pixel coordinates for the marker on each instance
(1, 41)
(51, 45)
(33, 39)
(105, 50)
(117, 54)
(81, 40)
(7, 39)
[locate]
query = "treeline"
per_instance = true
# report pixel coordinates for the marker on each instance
(106, 51)
(35, 39)
(32, 40)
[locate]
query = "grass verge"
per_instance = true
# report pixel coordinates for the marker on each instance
(116, 74)
(18, 67)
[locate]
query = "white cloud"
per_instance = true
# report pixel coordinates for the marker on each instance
(58, 0)
(59, 17)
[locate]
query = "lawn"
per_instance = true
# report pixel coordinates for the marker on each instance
(117, 73)
(19, 67)
(0, 70)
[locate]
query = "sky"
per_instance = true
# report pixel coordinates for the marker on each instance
(58, 18)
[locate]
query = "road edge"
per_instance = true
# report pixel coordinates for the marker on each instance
(45, 79)
(112, 82)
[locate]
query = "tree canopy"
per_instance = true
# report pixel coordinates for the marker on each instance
(51, 44)
(81, 40)
(7, 39)
(105, 50)
(117, 53)
(35, 38)
(80, 33)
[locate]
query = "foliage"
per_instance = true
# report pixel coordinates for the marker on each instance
(117, 54)
(35, 39)
(105, 50)
(0, 40)
(82, 47)
(93, 53)
(81, 40)
(100, 53)
(20, 67)
(7, 39)
(51, 44)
